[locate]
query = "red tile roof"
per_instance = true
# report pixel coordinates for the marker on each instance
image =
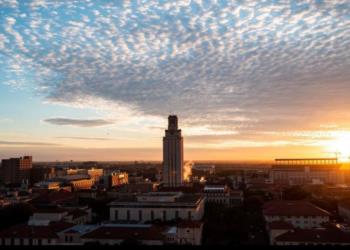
(124, 232)
(315, 236)
(76, 213)
(47, 210)
(35, 232)
(292, 208)
(54, 197)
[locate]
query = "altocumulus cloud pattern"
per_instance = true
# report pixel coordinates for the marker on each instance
(223, 63)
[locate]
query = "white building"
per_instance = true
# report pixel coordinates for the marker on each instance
(164, 206)
(301, 214)
(173, 154)
(222, 194)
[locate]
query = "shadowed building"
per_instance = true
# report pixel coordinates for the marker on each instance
(172, 154)
(305, 171)
(16, 170)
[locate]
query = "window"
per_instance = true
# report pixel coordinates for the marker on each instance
(127, 214)
(116, 215)
(164, 215)
(189, 215)
(176, 214)
(152, 215)
(39, 242)
(140, 215)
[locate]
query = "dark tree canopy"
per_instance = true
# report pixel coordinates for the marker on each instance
(295, 193)
(15, 214)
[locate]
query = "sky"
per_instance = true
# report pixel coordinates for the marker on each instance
(249, 80)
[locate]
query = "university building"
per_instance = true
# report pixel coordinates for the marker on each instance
(163, 206)
(307, 171)
(173, 154)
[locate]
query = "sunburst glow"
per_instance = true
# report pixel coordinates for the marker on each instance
(341, 146)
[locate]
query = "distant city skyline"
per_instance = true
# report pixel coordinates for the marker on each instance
(250, 80)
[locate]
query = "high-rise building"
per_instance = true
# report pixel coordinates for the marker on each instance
(16, 170)
(172, 154)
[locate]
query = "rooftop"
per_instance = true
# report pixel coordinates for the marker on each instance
(49, 210)
(120, 231)
(82, 229)
(30, 231)
(188, 200)
(54, 197)
(293, 208)
(315, 236)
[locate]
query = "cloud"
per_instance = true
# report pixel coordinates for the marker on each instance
(84, 138)
(22, 143)
(9, 3)
(233, 66)
(78, 122)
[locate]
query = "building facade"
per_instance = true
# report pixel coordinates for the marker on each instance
(172, 154)
(16, 170)
(222, 194)
(162, 206)
(307, 171)
(115, 179)
(300, 214)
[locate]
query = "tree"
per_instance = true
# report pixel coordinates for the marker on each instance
(15, 214)
(295, 193)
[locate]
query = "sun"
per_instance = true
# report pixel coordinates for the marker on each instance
(341, 146)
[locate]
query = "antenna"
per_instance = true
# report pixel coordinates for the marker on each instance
(170, 105)
(336, 154)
